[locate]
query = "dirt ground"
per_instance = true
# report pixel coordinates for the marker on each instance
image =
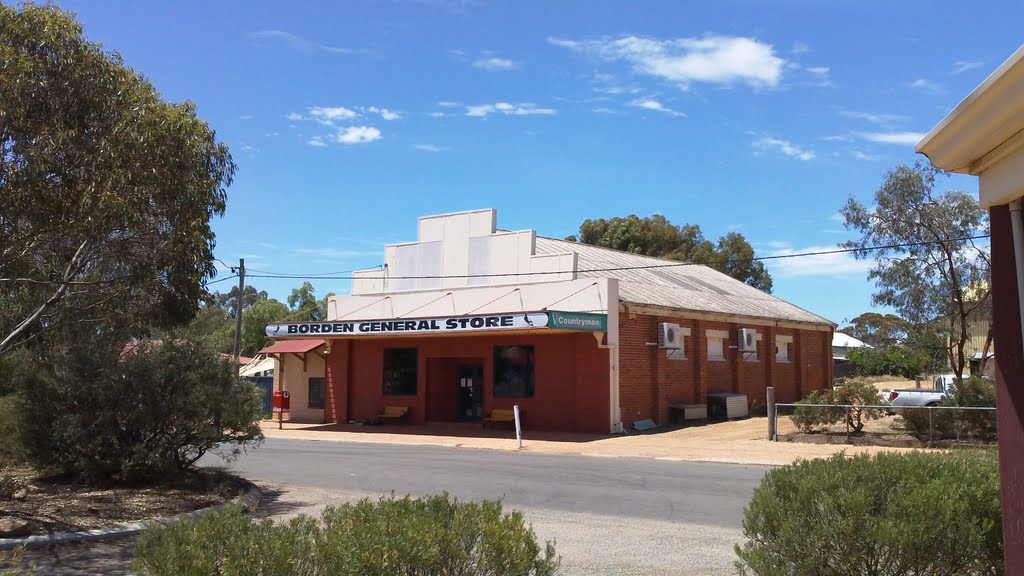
(55, 505)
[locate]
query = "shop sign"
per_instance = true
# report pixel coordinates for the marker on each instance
(487, 322)
(579, 321)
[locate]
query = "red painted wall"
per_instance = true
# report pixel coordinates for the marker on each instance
(650, 380)
(570, 382)
(1009, 387)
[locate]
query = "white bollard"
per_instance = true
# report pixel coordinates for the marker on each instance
(519, 431)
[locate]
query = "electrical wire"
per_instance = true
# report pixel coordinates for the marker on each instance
(212, 282)
(627, 268)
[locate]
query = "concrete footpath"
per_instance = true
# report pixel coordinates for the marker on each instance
(736, 441)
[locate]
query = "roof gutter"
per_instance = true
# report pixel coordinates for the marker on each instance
(632, 308)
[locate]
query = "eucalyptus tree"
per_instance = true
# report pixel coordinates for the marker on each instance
(108, 189)
(931, 264)
(656, 236)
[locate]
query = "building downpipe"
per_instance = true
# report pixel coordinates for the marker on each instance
(1017, 223)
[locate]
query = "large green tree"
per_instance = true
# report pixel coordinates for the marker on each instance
(878, 330)
(107, 189)
(656, 236)
(928, 268)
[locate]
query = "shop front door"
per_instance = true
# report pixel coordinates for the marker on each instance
(471, 392)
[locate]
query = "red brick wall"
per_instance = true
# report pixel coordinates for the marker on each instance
(571, 379)
(650, 381)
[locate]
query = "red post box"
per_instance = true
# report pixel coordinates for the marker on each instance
(281, 401)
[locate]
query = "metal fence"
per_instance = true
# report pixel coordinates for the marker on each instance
(265, 384)
(883, 425)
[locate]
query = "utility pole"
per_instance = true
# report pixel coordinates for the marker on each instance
(238, 308)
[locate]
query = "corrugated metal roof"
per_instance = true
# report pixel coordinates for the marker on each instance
(291, 346)
(677, 285)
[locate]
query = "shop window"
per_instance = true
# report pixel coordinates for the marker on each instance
(716, 344)
(782, 344)
(513, 371)
(316, 393)
(400, 371)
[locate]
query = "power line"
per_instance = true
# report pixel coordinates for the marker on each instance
(212, 282)
(627, 268)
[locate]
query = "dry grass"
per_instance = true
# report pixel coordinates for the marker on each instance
(55, 505)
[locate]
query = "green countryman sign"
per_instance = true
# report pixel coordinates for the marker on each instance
(579, 321)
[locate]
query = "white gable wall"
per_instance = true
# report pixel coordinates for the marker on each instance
(460, 250)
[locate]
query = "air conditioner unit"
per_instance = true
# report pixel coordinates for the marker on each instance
(669, 336)
(726, 405)
(747, 340)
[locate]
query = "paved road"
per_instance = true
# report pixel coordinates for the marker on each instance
(683, 492)
(609, 516)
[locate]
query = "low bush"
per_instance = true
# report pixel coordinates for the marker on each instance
(103, 412)
(856, 394)
(424, 536)
(977, 425)
(891, 514)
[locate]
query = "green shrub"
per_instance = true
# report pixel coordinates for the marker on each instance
(103, 412)
(898, 360)
(423, 536)
(958, 424)
(10, 443)
(857, 394)
(891, 514)
(811, 418)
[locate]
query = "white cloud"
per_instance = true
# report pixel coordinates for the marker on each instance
(820, 74)
(784, 146)
(651, 104)
(841, 264)
(334, 253)
(799, 48)
(961, 66)
(384, 113)
(440, 114)
(447, 104)
(723, 60)
(295, 42)
(431, 148)
(836, 138)
(873, 117)
(317, 141)
(926, 85)
(357, 135)
(294, 116)
(603, 110)
(330, 115)
(862, 156)
(893, 137)
(524, 109)
(837, 217)
(245, 117)
(494, 64)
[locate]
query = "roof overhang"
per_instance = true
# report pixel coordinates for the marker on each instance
(985, 129)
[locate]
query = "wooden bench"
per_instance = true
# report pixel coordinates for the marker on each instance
(394, 413)
(502, 415)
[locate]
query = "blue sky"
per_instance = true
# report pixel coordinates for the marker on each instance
(350, 119)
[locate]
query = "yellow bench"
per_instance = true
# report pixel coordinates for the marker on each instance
(394, 413)
(502, 415)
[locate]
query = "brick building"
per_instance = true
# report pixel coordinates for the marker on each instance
(470, 318)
